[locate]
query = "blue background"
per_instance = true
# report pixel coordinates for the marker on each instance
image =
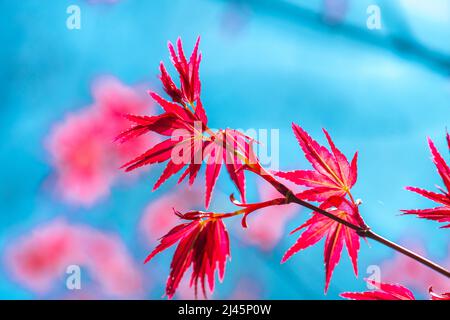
(380, 92)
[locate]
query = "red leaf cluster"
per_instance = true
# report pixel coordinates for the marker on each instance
(189, 141)
(385, 291)
(437, 296)
(440, 213)
(320, 226)
(329, 182)
(388, 291)
(202, 244)
(332, 174)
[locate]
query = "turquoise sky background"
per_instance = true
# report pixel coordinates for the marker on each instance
(265, 64)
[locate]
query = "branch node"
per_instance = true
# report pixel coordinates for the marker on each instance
(290, 197)
(363, 231)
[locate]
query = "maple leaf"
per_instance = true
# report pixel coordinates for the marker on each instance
(190, 142)
(337, 235)
(202, 244)
(437, 296)
(333, 175)
(188, 71)
(385, 291)
(441, 213)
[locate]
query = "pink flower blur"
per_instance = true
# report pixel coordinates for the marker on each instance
(82, 148)
(159, 218)
(39, 260)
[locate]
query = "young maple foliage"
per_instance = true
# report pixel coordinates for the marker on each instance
(330, 181)
(385, 291)
(190, 142)
(332, 174)
(202, 243)
(441, 213)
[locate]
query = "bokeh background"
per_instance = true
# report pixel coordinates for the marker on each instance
(265, 64)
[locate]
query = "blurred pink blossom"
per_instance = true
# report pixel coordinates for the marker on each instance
(109, 263)
(82, 150)
(84, 170)
(159, 218)
(114, 99)
(40, 259)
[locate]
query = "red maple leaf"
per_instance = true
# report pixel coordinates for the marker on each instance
(437, 296)
(330, 182)
(190, 142)
(319, 226)
(333, 175)
(203, 244)
(385, 291)
(441, 213)
(189, 75)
